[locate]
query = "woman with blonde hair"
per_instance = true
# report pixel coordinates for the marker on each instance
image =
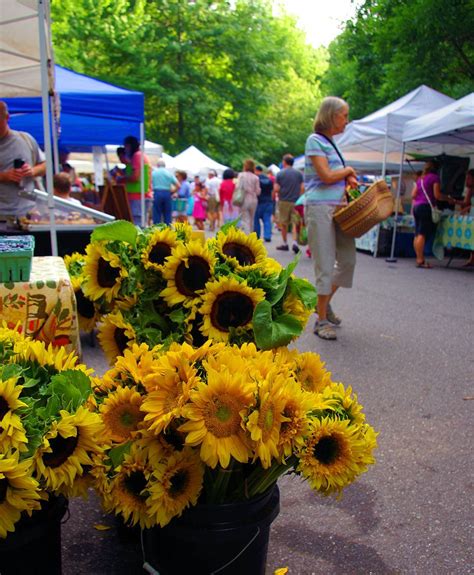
(250, 183)
(325, 178)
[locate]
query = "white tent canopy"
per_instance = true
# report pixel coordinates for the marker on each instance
(196, 162)
(447, 130)
(380, 134)
(26, 65)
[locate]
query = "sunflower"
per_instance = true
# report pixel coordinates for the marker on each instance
(295, 425)
(310, 371)
(75, 264)
(115, 335)
(67, 447)
(184, 231)
(103, 273)
(187, 271)
(334, 454)
(271, 267)
(166, 402)
(242, 251)
(178, 485)
(58, 358)
(345, 399)
(86, 310)
(265, 420)
(216, 416)
(228, 304)
(128, 493)
(158, 247)
(12, 433)
(18, 491)
(136, 363)
(295, 307)
(121, 413)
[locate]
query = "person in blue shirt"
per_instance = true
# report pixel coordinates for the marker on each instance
(326, 177)
(164, 183)
(264, 206)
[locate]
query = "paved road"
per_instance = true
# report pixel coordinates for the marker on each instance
(405, 346)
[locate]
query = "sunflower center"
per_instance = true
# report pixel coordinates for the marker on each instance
(179, 482)
(121, 339)
(192, 277)
(135, 483)
(4, 407)
(129, 419)
(231, 309)
(243, 254)
(63, 448)
(3, 489)
(327, 450)
(106, 274)
(159, 252)
(84, 306)
(222, 418)
(174, 438)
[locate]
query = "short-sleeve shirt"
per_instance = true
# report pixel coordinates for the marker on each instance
(212, 185)
(17, 145)
(163, 179)
(316, 191)
(428, 182)
(290, 181)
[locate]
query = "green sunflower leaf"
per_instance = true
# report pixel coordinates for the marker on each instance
(285, 274)
(72, 387)
(117, 454)
(304, 291)
(120, 230)
(273, 332)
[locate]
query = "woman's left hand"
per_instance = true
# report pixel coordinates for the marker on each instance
(352, 182)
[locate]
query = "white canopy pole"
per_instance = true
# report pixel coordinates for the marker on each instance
(392, 257)
(44, 63)
(142, 173)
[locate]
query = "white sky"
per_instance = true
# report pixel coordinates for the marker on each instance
(321, 19)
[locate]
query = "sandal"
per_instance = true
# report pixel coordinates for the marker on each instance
(324, 331)
(332, 317)
(424, 265)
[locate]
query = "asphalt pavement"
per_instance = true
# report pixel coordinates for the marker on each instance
(405, 346)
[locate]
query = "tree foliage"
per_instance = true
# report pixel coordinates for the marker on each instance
(393, 46)
(227, 77)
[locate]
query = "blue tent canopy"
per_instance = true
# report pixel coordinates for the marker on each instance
(93, 113)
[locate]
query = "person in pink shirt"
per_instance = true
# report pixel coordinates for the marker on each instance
(425, 193)
(133, 180)
(226, 189)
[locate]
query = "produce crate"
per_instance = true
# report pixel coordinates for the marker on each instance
(16, 253)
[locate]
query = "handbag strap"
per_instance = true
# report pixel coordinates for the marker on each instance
(334, 146)
(426, 195)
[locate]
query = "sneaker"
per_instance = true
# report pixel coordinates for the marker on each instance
(332, 317)
(283, 248)
(324, 331)
(268, 239)
(295, 249)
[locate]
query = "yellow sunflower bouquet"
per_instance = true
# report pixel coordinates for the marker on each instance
(220, 424)
(48, 435)
(161, 285)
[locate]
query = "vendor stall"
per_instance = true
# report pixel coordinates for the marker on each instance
(45, 305)
(454, 231)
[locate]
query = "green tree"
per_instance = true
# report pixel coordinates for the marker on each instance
(231, 79)
(393, 46)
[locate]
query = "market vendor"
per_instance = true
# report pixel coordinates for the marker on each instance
(21, 161)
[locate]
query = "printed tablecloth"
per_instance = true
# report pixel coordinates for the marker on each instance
(454, 232)
(45, 306)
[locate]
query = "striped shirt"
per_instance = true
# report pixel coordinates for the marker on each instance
(316, 191)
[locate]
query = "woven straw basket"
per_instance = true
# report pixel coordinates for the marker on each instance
(368, 210)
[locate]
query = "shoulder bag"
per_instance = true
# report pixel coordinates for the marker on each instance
(435, 213)
(238, 194)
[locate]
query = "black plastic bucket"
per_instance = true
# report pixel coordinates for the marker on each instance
(228, 539)
(34, 548)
